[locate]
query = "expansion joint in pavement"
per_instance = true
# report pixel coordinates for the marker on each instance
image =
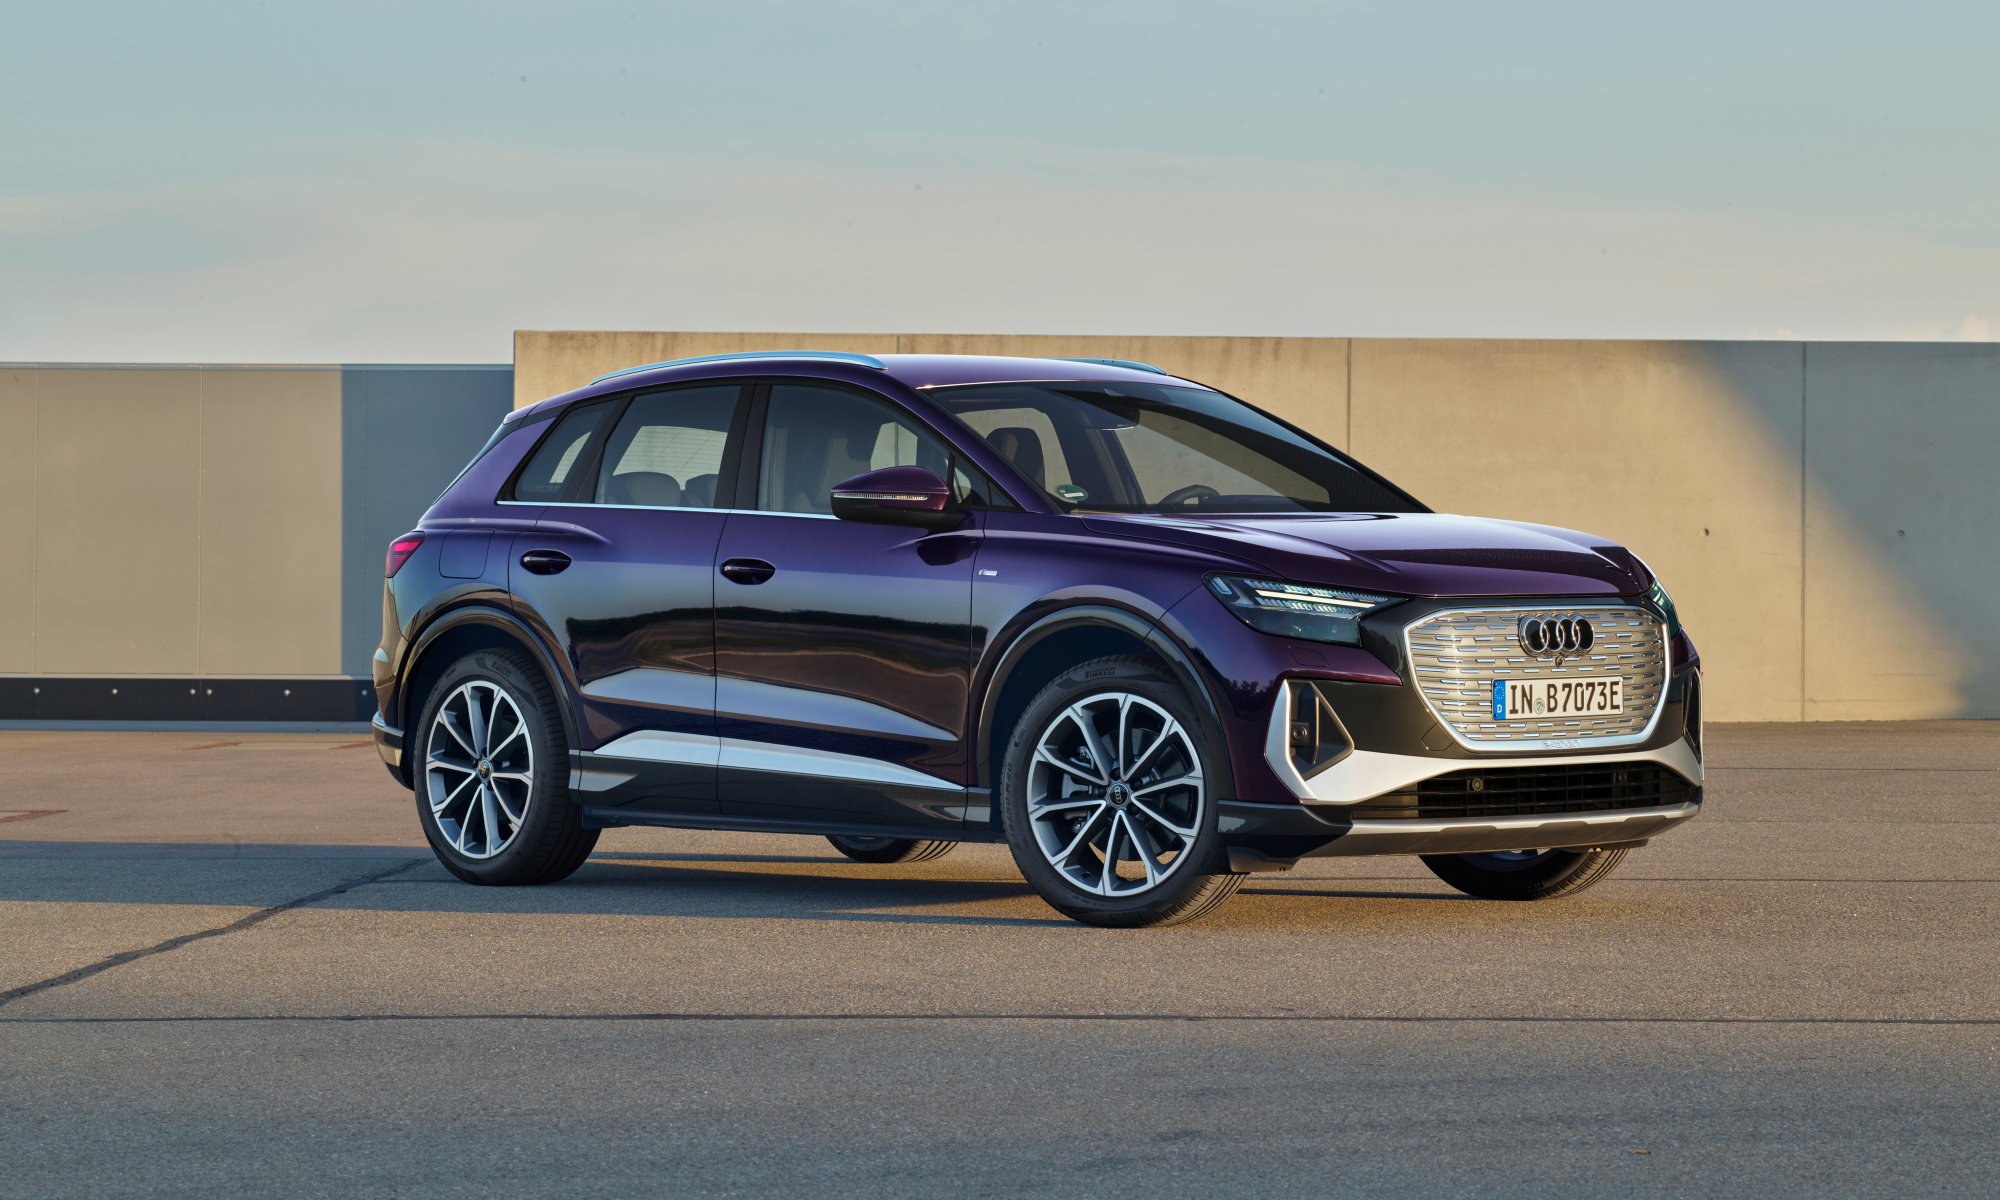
(237, 926)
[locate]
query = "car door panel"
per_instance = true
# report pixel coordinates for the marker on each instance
(842, 671)
(841, 679)
(633, 609)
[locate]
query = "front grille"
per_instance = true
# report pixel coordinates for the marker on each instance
(1457, 654)
(1531, 792)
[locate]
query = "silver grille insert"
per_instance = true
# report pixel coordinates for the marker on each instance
(1458, 653)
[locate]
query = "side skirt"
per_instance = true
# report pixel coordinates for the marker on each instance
(613, 818)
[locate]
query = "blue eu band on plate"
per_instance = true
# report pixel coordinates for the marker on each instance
(1514, 699)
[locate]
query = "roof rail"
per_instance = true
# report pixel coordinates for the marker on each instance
(1127, 363)
(859, 360)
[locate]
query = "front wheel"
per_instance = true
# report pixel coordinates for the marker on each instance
(1106, 795)
(1524, 874)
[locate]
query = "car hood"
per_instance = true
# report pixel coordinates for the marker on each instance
(1414, 554)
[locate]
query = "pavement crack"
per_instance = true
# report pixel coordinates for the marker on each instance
(261, 915)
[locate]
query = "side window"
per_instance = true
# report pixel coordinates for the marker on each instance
(815, 437)
(667, 449)
(549, 473)
(970, 488)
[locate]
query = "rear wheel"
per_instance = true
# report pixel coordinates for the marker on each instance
(1524, 874)
(1106, 798)
(493, 780)
(889, 850)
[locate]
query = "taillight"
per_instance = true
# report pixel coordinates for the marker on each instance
(399, 553)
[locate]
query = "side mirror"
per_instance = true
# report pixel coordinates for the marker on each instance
(909, 496)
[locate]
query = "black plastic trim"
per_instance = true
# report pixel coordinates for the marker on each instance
(184, 698)
(1277, 831)
(1125, 621)
(482, 615)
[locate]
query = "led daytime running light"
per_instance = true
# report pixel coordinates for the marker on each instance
(1298, 610)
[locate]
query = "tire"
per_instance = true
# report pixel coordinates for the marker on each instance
(492, 777)
(889, 850)
(1524, 874)
(1097, 848)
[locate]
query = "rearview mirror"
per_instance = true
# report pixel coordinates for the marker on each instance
(909, 496)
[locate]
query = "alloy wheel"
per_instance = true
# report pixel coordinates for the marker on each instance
(1115, 795)
(479, 768)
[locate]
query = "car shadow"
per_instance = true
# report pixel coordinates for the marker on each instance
(620, 883)
(613, 883)
(1352, 894)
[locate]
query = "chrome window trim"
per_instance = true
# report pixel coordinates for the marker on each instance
(1584, 745)
(747, 512)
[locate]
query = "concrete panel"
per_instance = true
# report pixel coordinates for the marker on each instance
(1303, 380)
(117, 540)
(270, 523)
(1686, 452)
(1902, 559)
(17, 519)
(548, 363)
(405, 433)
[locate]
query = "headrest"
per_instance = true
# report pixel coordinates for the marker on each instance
(644, 487)
(1022, 447)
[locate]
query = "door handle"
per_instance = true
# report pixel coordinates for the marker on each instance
(544, 562)
(747, 570)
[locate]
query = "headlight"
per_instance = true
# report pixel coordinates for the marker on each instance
(1658, 595)
(1317, 614)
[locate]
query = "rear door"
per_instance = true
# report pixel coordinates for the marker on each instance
(842, 649)
(619, 573)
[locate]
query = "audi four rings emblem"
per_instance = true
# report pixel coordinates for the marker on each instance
(1557, 637)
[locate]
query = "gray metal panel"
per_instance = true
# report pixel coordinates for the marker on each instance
(405, 434)
(1902, 549)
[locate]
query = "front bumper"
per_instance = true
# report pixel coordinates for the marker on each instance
(1281, 833)
(1443, 799)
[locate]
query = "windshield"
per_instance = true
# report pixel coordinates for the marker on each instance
(1139, 447)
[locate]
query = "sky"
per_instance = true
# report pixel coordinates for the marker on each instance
(265, 181)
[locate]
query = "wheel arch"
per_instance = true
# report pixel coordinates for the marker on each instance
(454, 635)
(1064, 638)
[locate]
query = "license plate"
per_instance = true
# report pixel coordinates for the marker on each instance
(1518, 699)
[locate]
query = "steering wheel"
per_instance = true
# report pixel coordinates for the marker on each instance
(1193, 491)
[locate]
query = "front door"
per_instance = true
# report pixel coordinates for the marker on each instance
(620, 573)
(842, 649)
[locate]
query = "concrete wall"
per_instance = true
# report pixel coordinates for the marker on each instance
(214, 522)
(1822, 512)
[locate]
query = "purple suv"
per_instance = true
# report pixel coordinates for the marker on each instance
(1152, 638)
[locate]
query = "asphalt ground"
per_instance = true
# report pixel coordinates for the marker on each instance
(233, 968)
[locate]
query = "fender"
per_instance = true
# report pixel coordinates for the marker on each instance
(479, 614)
(1124, 620)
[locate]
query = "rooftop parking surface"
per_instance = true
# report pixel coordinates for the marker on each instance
(234, 966)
